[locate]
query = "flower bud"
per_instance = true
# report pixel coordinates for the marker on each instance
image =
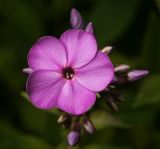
(88, 126)
(107, 49)
(111, 103)
(98, 95)
(122, 68)
(114, 80)
(137, 74)
(90, 28)
(73, 137)
(118, 97)
(76, 20)
(64, 120)
(27, 70)
(122, 80)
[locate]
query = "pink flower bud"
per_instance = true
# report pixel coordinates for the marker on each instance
(107, 49)
(76, 19)
(27, 70)
(73, 138)
(137, 74)
(121, 68)
(89, 28)
(88, 126)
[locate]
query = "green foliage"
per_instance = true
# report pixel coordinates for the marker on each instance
(95, 146)
(12, 138)
(104, 119)
(112, 18)
(151, 44)
(149, 93)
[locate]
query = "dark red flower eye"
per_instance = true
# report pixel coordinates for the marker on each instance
(68, 73)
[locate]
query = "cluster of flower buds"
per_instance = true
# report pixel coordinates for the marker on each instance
(77, 125)
(123, 74)
(113, 99)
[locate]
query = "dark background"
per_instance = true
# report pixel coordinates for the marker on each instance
(132, 27)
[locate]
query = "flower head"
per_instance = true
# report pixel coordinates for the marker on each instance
(67, 72)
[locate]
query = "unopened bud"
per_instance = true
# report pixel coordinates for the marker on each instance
(98, 95)
(112, 86)
(107, 49)
(122, 68)
(112, 104)
(122, 80)
(76, 19)
(137, 74)
(27, 70)
(88, 126)
(63, 118)
(118, 97)
(73, 137)
(114, 80)
(90, 28)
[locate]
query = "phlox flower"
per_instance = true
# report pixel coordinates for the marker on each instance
(67, 72)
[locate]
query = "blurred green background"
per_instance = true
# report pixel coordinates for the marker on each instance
(131, 26)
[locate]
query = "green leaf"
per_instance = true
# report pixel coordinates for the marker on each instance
(112, 18)
(46, 121)
(9, 67)
(102, 119)
(12, 138)
(23, 20)
(158, 4)
(100, 146)
(149, 93)
(52, 111)
(151, 46)
(119, 58)
(24, 95)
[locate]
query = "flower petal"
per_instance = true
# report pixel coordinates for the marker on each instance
(97, 74)
(81, 47)
(43, 88)
(47, 53)
(75, 99)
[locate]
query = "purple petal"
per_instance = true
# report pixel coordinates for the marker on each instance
(89, 28)
(75, 99)
(96, 75)
(81, 47)
(76, 19)
(47, 53)
(43, 88)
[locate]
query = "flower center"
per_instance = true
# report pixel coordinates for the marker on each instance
(68, 73)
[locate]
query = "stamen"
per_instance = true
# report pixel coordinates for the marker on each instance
(68, 73)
